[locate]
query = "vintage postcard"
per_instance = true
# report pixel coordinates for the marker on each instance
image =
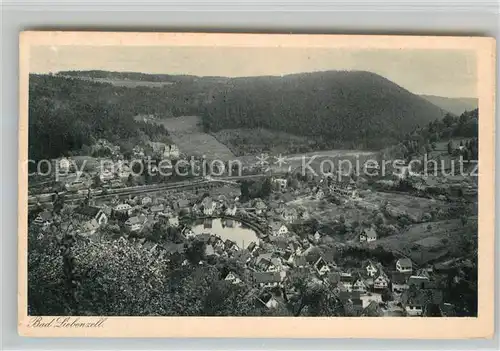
(256, 185)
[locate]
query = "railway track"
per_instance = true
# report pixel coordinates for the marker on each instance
(145, 189)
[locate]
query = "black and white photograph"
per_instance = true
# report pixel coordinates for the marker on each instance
(253, 181)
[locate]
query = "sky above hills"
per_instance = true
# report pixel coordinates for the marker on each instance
(449, 73)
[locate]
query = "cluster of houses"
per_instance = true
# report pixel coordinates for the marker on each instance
(414, 291)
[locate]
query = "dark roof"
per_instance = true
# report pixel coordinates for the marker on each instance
(203, 237)
(399, 278)
(417, 280)
(333, 277)
(172, 248)
(405, 262)
(346, 278)
(370, 232)
(287, 255)
(45, 216)
(88, 211)
(181, 203)
(300, 261)
(329, 255)
(320, 263)
(251, 246)
(266, 277)
(448, 310)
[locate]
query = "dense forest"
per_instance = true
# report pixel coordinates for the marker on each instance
(70, 110)
(361, 108)
(65, 114)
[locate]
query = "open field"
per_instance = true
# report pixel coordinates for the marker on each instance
(413, 206)
(187, 133)
(425, 242)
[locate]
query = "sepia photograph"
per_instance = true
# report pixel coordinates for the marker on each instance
(254, 176)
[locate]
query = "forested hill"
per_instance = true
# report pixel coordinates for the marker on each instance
(70, 110)
(360, 108)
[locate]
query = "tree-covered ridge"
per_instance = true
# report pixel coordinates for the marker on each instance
(360, 107)
(66, 114)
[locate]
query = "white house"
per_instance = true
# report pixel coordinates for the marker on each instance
(278, 229)
(89, 213)
(359, 285)
(44, 219)
(368, 235)
(208, 206)
(188, 233)
(231, 210)
(134, 224)
(171, 151)
(381, 282)
(146, 200)
(90, 227)
(281, 183)
(63, 165)
(414, 306)
(233, 278)
(173, 221)
(106, 175)
(123, 208)
(346, 281)
(398, 281)
(259, 206)
(319, 194)
(404, 265)
(371, 269)
(321, 266)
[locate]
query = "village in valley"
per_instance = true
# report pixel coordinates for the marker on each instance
(376, 244)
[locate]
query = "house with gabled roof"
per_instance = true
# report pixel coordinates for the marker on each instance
(264, 263)
(381, 281)
(370, 268)
(89, 227)
(359, 284)
(278, 229)
(188, 233)
(233, 278)
(88, 213)
(289, 215)
(414, 302)
(404, 265)
(321, 266)
(173, 221)
(368, 235)
(418, 281)
(230, 245)
(231, 210)
(44, 219)
(259, 206)
(399, 282)
(134, 224)
(180, 204)
(299, 261)
(346, 280)
(208, 206)
(268, 300)
(123, 208)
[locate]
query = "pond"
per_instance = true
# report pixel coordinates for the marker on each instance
(226, 229)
